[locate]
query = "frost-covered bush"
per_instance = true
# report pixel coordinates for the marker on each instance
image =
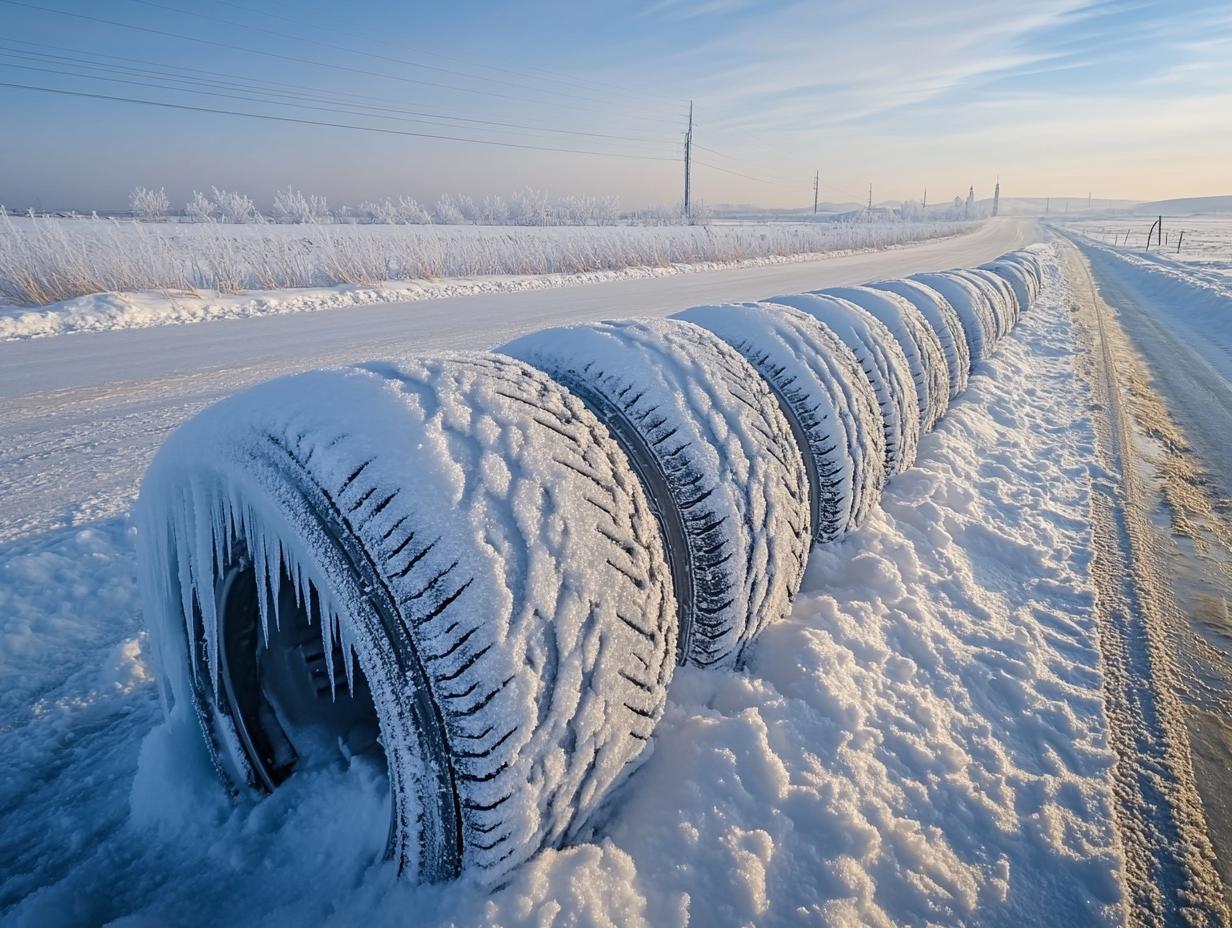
(46, 259)
(200, 208)
(149, 204)
(235, 207)
(293, 206)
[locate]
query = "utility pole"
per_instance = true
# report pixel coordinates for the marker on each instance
(870, 197)
(996, 197)
(925, 206)
(816, 180)
(688, 161)
(1047, 206)
(1088, 201)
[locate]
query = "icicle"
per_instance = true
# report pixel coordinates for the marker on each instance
(348, 654)
(183, 567)
(303, 590)
(275, 577)
(202, 574)
(260, 566)
(327, 642)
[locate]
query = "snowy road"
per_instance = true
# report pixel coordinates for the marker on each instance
(81, 415)
(1173, 357)
(1190, 359)
(1170, 861)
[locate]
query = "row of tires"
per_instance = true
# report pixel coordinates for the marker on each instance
(482, 568)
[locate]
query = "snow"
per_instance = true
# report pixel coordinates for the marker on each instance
(1201, 243)
(921, 741)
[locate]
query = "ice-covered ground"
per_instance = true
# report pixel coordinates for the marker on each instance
(922, 741)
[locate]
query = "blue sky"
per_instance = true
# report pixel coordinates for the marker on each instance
(1123, 98)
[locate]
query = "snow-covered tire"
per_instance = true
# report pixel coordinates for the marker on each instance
(1017, 277)
(470, 533)
(882, 361)
(920, 345)
(826, 397)
(943, 320)
(972, 307)
(1029, 261)
(717, 457)
(1000, 298)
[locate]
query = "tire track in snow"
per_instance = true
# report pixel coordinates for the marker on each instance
(1170, 869)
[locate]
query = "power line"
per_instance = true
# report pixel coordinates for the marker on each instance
(752, 164)
(526, 70)
(343, 107)
(760, 180)
(331, 125)
(296, 90)
(367, 53)
(275, 55)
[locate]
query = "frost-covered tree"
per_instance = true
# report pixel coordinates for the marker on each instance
(235, 207)
(467, 207)
(493, 211)
(294, 206)
(200, 208)
(409, 211)
(529, 207)
(378, 212)
(149, 204)
(447, 211)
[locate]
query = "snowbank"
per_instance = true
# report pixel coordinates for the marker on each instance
(921, 741)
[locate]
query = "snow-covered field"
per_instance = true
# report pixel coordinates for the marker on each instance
(922, 741)
(1205, 242)
(97, 273)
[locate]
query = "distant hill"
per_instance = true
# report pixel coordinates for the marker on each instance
(1056, 206)
(1187, 205)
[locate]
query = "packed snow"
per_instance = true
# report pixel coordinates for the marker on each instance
(921, 741)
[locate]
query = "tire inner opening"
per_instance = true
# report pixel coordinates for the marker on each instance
(278, 695)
